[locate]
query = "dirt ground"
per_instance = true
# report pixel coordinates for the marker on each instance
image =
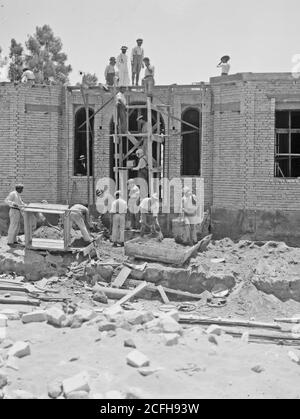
(193, 368)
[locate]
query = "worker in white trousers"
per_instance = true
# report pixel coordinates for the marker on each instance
(80, 216)
(118, 211)
(16, 204)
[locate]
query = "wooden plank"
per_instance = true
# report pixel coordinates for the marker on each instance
(132, 293)
(295, 320)
(227, 322)
(121, 278)
(112, 293)
(163, 294)
(19, 300)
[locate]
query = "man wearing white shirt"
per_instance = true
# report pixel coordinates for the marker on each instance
(224, 65)
(137, 56)
(118, 211)
(133, 202)
(149, 216)
(149, 81)
(16, 204)
(28, 76)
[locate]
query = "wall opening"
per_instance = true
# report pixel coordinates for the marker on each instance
(80, 146)
(287, 144)
(191, 143)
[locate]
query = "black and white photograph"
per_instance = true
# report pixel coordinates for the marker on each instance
(149, 203)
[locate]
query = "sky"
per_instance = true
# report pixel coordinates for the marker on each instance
(183, 38)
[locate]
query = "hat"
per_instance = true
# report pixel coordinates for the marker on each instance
(82, 157)
(186, 190)
(19, 186)
(155, 196)
(225, 59)
(140, 152)
(139, 40)
(124, 48)
(131, 182)
(112, 59)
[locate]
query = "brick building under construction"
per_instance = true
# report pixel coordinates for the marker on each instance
(247, 148)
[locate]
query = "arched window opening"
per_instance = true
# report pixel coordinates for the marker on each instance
(191, 143)
(80, 143)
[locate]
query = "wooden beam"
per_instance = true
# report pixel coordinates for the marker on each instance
(192, 319)
(133, 293)
(163, 294)
(121, 278)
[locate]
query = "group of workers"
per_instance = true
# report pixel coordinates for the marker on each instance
(117, 71)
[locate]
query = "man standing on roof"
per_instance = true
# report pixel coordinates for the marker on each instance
(137, 56)
(148, 80)
(224, 65)
(110, 72)
(79, 215)
(16, 204)
(149, 216)
(122, 65)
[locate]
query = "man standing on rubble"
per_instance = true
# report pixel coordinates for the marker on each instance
(118, 211)
(79, 215)
(189, 213)
(137, 56)
(149, 216)
(16, 204)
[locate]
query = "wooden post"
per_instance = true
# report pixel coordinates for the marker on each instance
(116, 140)
(88, 148)
(149, 146)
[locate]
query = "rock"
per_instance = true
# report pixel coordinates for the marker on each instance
(38, 316)
(78, 395)
(129, 343)
(171, 339)
(106, 272)
(169, 325)
(145, 372)
(67, 322)
(212, 339)
(105, 326)
(12, 363)
(114, 395)
(55, 389)
(257, 369)
(293, 357)
(100, 297)
(214, 330)
(19, 350)
(76, 324)
(83, 316)
(79, 382)
(154, 326)
(174, 314)
(138, 317)
(137, 359)
(22, 395)
(3, 380)
(113, 312)
(55, 316)
(3, 320)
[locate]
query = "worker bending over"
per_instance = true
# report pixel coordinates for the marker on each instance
(16, 204)
(149, 216)
(118, 211)
(80, 216)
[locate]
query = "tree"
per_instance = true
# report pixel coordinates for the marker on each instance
(89, 80)
(45, 57)
(16, 61)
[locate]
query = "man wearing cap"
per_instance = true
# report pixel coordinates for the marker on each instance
(79, 215)
(224, 65)
(189, 213)
(149, 216)
(81, 167)
(122, 65)
(110, 72)
(118, 211)
(133, 203)
(142, 167)
(137, 56)
(16, 204)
